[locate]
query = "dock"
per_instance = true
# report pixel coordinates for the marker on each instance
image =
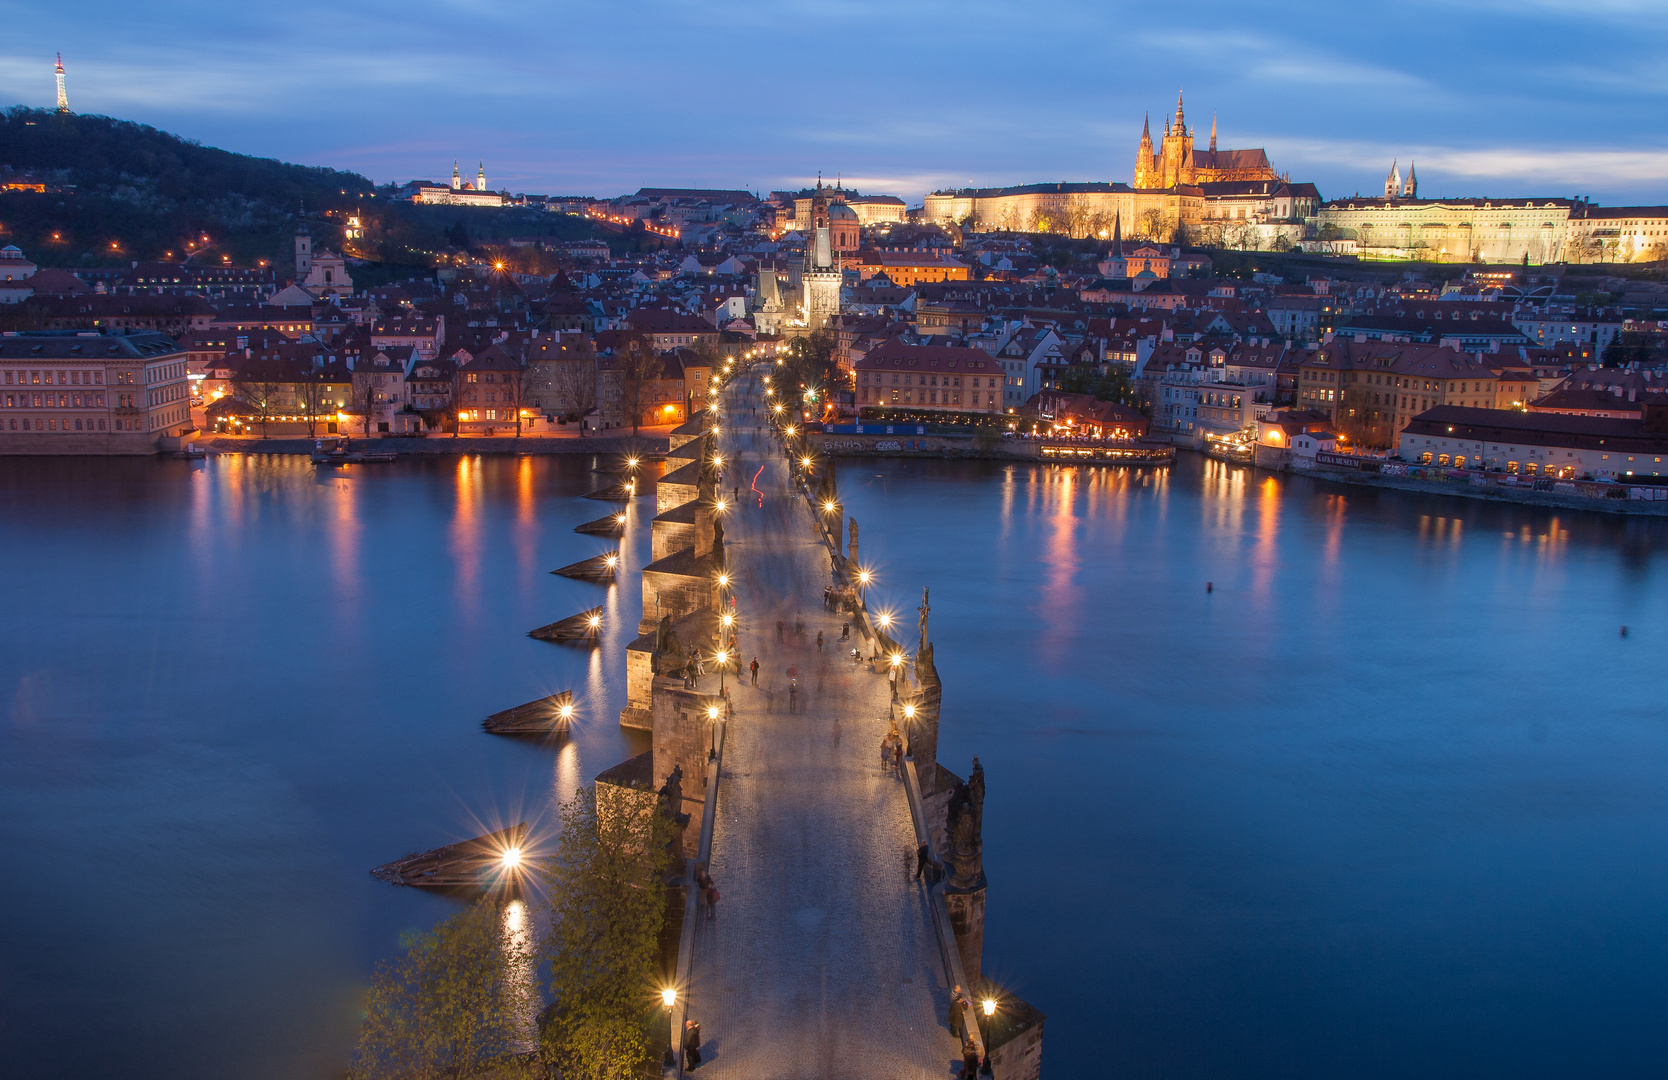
(584, 627)
(545, 716)
(599, 568)
(482, 863)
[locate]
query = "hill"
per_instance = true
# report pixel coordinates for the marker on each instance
(119, 191)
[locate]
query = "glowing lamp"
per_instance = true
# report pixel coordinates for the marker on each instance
(722, 657)
(728, 620)
(631, 463)
(613, 559)
(712, 712)
(565, 712)
(990, 1006)
(668, 997)
(511, 857)
(721, 504)
(885, 621)
(805, 461)
(723, 580)
(863, 576)
(595, 621)
(909, 712)
(828, 506)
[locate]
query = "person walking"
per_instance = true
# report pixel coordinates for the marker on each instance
(754, 668)
(886, 752)
(691, 1044)
(923, 855)
(712, 901)
(819, 641)
(897, 758)
(799, 624)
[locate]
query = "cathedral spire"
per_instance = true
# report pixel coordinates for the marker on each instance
(1213, 133)
(1410, 190)
(1117, 236)
(1181, 124)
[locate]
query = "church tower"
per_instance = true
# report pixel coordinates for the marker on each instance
(1176, 157)
(457, 177)
(63, 97)
(303, 256)
(822, 276)
(480, 176)
(1145, 175)
(1410, 190)
(1393, 182)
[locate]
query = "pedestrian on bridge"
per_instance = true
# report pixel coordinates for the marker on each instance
(886, 752)
(691, 1044)
(819, 641)
(754, 668)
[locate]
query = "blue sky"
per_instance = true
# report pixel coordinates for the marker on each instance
(1517, 97)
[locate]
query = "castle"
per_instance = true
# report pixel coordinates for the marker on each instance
(1177, 163)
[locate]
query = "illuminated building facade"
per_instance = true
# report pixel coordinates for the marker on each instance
(1452, 230)
(821, 279)
(77, 392)
(1176, 162)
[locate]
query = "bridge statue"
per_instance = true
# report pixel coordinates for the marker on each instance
(965, 824)
(924, 609)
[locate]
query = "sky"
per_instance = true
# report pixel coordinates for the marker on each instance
(1488, 97)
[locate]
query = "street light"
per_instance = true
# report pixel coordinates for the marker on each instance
(863, 579)
(668, 998)
(511, 858)
(723, 658)
(723, 581)
(565, 713)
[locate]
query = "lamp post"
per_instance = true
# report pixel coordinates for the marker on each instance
(668, 998)
(863, 578)
(722, 657)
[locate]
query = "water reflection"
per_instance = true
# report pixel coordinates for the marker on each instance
(520, 962)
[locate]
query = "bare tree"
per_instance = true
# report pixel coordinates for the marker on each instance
(574, 382)
(309, 395)
(261, 395)
(520, 392)
(364, 398)
(639, 368)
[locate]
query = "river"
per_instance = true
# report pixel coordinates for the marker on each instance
(1390, 799)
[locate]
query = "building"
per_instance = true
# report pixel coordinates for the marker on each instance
(88, 392)
(1082, 415)
(1176, 163)
(1452, 230)
(1617, 233)
(908, 267)
(1371, 390)
(943, 378)
(1546, 444)
(822, 276)
(460, 193)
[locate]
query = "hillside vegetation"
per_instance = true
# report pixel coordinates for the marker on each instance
(148, 192)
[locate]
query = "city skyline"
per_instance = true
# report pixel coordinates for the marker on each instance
(571, 102)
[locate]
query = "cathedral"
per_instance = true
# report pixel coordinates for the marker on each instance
(1395, 187)
(1177, 163)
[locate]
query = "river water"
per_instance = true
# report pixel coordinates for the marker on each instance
(1391, 799)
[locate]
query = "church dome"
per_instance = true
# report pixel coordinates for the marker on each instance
(841, 212)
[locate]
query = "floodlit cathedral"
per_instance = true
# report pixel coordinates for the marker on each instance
(821, 278)
(1177, 163)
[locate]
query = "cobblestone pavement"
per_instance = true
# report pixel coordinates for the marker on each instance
(821, 961)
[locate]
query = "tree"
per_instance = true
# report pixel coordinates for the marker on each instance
(365, 398)
(574, 382)
(607, 892)
(259, 392)
(456, 1004)
(520, 392)
(309, 395)
(639, 368)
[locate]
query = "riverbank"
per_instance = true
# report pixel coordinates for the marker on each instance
(1466, 489)
(602, 444)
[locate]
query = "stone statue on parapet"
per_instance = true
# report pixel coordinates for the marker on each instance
(671, 805)
(925, 671)
(664, 635)
(718, 538)
(924, 609)
(964, 819)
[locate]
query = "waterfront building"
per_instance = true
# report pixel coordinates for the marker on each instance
(944, 378)
(90, 392)
(1547, 444)
(1371, 390)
